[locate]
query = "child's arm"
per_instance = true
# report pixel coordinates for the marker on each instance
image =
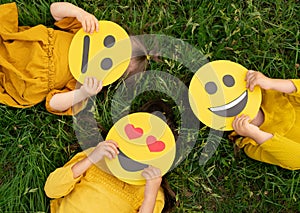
(242, 126)
(63, 180)
(60, 10)
(63, 101)
(106, 148)
(153, 181)
(254, 78)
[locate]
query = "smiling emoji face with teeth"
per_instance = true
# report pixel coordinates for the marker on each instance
(218, 93)
(144, 139)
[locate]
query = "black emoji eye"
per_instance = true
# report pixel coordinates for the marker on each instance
(228, 80)
(109, 41)
(211, 87)
(106, 64)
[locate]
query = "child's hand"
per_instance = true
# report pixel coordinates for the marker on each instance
(153, 178)
(88, 21)
(107, 148)
(254, 78)
(242, 126)
(91, 86)
(153, 181)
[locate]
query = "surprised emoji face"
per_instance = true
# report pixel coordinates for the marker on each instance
(105, 54)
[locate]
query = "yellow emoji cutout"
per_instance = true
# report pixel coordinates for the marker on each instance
(218, 93)
(105, 54)
(144, 139)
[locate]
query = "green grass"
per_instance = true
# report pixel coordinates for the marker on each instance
(261, 35)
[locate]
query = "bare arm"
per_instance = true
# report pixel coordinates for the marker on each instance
(153, 181)
(105, 148)
(63, 101)
(60, 10)
(254, 78)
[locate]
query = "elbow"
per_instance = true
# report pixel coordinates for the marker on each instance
(54, 7)
(55, 104)
(48, 188)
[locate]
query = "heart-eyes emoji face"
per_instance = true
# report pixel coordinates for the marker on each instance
(144, 139)
(105, 54)
(218, 93)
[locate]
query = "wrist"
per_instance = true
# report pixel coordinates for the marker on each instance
(78, 13)
(153, 185)
(83, 93)
(260, 137)
(94, 158)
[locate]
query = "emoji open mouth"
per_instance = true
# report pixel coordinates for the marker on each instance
(129, 164)
(233, 108)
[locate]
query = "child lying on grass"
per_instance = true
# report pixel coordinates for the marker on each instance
(34, 60)
(81, 186)
(273, 136)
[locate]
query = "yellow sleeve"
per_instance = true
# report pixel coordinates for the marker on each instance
(61, 182)
(160, 201)
(278, 150)
(72, 110)
(9, 17)
(297, 85)
(69, 24)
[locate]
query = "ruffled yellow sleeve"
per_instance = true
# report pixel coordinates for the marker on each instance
(72, 110)
(69, 24)
(241, 141)
(61, 182)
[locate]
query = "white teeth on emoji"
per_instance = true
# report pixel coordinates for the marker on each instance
(233, 108)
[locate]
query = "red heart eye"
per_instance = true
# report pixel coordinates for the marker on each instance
(132, 132)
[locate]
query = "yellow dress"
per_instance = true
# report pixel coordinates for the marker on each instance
(94, 191)
(282, 119)
(34, 60)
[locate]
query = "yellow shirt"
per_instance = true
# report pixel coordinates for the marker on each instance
(282, 119)
(34, 60)
(94, 191)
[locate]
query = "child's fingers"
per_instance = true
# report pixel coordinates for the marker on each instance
(151, 172)
(93, 82)
(91, 25)
(113, 142)
(252, 81)
(110, 151)
(84, 27)
(234, 123)
(113, 147)
(96, 24)
(86, 80)
(238, 122)
(108, 154)
(244, 121)
(99, 88)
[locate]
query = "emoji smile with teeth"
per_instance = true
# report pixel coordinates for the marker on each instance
(233, 108)
(218, 93)
(144, 139)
